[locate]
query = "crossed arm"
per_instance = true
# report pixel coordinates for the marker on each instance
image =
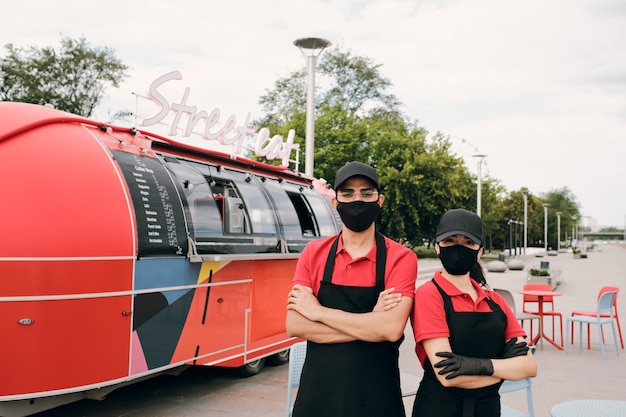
(308, 319)
(513, 368)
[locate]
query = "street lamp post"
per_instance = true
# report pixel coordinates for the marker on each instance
(517, 236)
(479, 187)
(313, 45)
(510, 238)
(558, 231)
(515, 222)
(545, 226)
(525, 194)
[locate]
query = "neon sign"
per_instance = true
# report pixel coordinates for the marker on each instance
(227, 133)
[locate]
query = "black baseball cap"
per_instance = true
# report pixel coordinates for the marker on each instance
(460, 222)
(354, 169)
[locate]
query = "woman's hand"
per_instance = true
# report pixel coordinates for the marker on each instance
(512, 349)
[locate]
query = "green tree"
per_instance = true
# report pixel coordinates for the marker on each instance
(559, 201)
(513, 209)
(356, 84)
(439, 181)
(285, 100)
(563, 202)
(72, 79)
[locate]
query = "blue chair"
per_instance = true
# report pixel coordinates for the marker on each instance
(510, 386)
(297, 354)
(604, 315)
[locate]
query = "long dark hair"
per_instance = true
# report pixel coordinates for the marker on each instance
(478, 274)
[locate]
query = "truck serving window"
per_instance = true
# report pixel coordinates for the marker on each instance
(227, 210)
(203, 210)
(232, 211)
(322, 212)
(302, 213)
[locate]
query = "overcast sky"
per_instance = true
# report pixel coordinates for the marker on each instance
(539, 86)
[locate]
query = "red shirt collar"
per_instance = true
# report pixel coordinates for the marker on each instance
(371, 255)
(452, 290)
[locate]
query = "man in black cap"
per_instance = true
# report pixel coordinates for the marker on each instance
(351, 300)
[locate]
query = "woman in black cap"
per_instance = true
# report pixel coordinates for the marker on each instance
(467, 338)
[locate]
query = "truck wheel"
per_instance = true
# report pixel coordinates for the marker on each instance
(279, 358)
(251, 368)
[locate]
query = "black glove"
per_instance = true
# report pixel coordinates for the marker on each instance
(462, 365)
(512, 349)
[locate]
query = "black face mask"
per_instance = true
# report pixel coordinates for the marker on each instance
(358, 215)
(458, 259)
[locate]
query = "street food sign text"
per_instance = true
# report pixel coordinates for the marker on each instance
(211, 127)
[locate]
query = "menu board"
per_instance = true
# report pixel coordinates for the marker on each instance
(160, 220)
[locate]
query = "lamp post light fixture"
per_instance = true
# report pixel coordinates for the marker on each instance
(545, 226)
(558, 231)
(479, 187)
(315, 46)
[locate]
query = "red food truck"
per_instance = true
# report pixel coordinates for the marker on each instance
(124, 254)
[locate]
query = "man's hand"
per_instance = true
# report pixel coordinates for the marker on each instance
(456, 365)
(302, 300)
(513, 349)
(387, 300)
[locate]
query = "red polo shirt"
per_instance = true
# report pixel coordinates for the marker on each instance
(400, 268)
(429, 317)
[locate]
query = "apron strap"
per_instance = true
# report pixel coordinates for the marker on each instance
(381, 261)
(330, 261)
(447, 302)
(469, 407)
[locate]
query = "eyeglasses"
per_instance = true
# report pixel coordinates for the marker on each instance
(367, 194)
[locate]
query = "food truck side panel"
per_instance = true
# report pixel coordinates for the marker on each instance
(67, 240)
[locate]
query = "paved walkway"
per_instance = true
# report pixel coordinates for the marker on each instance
(579, 374)
(583, 373)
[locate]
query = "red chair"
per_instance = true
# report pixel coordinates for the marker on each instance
(530, 299)
(593, 313)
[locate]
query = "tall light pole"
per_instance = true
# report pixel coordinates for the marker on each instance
(525, 194)
(479, 187)
(545, 226)
(313, 45)
(558, 231)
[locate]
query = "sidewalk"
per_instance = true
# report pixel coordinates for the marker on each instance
(212, 392)
(578, 374)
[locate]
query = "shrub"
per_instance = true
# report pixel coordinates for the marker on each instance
(424, 252)
(539, 272)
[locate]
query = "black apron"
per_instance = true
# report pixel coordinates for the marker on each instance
(354, 379)
(472, 334)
